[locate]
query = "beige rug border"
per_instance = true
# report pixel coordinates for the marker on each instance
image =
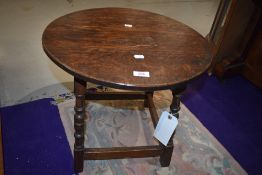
(212, 137)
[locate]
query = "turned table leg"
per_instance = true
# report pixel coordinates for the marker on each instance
(166, 155)
(79, 124)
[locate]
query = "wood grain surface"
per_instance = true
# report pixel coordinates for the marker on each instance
(96, 46)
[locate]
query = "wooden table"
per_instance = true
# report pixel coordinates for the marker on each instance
(98, 46)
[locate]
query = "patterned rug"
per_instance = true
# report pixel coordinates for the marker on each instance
(127, 123)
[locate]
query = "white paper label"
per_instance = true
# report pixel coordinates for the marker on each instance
(128, 25)
(141, 74)
(165, 127)
(139, 56)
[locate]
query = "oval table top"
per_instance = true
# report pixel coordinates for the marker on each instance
(99, 45)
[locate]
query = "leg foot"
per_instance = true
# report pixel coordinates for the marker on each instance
(78, 161)
(165, 157)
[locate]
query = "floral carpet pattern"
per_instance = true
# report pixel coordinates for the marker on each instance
(128, 123)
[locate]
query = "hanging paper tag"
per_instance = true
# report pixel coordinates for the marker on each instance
(141, 74)
(165, 127)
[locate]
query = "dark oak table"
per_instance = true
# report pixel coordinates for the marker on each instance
(98, 46)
